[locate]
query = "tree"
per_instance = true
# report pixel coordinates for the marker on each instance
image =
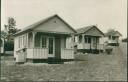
(10, 28)
(3, 34)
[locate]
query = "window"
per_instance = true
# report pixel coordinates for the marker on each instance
(23, 40)
(85, 39)
(109, 37)
(113, 37)
(26, 40)
(69, 39)
(65, 41)
(74, 39)
(89, 40)
(94, 40)
(80, 38)
(19, 41)
(97, 39)
(44, 42)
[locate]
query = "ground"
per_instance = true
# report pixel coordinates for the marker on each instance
(99, 67)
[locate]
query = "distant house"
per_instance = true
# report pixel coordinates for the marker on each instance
(1, 45)
(112, 38)
(49, 38)
(87, 39)
(125, 40)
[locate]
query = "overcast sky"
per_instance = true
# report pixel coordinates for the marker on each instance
(78, 13)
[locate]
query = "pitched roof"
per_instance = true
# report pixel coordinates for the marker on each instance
(113, 33)
(87, 28)
(30, 27)
(84, 29)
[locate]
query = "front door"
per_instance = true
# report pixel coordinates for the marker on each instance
(57, 47)
(51, 46)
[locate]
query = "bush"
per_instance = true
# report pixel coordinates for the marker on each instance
(9, 46)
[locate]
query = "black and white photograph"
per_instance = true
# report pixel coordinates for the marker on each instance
(63, 40)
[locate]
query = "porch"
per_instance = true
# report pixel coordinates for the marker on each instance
(41, 45)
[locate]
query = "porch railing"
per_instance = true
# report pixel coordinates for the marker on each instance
(67, 53)
(112, 41)
(37, 53)
(90, 46)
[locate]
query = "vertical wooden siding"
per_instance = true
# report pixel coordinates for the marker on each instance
(67, 53)
(37, 53)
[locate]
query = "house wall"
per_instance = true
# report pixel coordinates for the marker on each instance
(67, 51)
(66, 42)
(102, 40)
(54, 25)
(15, 46)
(20, 42)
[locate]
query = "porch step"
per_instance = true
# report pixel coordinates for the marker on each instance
(54, 61)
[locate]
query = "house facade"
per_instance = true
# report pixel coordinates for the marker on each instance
(49, 38)
(88, 39)
(112, 38)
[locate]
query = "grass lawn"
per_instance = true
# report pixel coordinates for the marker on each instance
(96, 68)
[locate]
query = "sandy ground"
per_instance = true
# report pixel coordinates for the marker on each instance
(99, 67)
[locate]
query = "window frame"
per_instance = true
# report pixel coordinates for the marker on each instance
(19, 42)
(43, 46)
(80, 40)
(85, 41)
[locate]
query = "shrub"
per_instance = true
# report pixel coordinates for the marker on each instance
(9, 46)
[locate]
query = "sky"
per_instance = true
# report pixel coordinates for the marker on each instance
(106, 14)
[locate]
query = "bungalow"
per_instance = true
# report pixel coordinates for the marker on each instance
(112, 37)
(88, 40)
(49, 38)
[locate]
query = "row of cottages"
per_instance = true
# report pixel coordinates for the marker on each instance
(112, 38)
(88, 39)
(48, 38)
(54, 38)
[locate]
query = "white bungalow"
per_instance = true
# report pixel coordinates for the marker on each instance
(112, 38)
(88, 40)
(48, 38)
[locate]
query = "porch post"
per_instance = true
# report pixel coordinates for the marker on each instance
(83, 40)
(27, 40)
(73, 42)
(96, 42)
(33, 34)
(111, 37)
